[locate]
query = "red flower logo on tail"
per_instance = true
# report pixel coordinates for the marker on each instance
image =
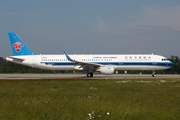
(17, 46)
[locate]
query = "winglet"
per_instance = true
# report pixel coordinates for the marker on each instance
(67, 56)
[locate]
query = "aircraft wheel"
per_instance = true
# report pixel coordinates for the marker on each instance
(90, 75)
(153, 74)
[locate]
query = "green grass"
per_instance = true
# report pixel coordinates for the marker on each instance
(130, 99)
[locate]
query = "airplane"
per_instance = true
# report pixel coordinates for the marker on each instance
(104, 63)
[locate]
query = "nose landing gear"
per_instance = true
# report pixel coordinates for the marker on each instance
(153, 74)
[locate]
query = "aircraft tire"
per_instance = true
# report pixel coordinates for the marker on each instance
(90, 75)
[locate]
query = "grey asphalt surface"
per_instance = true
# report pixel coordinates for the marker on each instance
(80, 76)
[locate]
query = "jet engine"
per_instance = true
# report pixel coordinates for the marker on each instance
(108, 70)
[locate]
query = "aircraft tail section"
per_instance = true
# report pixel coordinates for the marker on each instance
(18, 46)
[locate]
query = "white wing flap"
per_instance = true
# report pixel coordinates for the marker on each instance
(87, 66)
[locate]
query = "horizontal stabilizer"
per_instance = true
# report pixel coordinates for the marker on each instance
(10, 58)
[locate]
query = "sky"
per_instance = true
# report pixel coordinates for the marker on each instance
(92, 26)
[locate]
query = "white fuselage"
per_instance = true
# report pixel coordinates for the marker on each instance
(118, 62)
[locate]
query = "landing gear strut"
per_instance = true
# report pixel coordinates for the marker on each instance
(90, 74)
(153, 74)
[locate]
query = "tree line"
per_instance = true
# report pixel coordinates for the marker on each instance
(9, 67)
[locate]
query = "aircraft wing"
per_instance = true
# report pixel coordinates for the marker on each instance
(84, 65)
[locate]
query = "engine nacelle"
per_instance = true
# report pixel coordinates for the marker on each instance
(108, 70)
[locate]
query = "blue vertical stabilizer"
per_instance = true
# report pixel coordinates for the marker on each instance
(18, 46)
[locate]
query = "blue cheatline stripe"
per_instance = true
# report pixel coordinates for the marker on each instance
(165, 64)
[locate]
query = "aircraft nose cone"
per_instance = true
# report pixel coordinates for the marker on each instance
(171, 64)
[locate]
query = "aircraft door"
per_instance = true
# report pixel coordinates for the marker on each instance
(154, 59)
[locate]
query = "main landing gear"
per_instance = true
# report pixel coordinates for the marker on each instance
(90, 74)
(153, 74)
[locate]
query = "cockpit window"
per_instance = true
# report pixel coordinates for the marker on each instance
(164, 59)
